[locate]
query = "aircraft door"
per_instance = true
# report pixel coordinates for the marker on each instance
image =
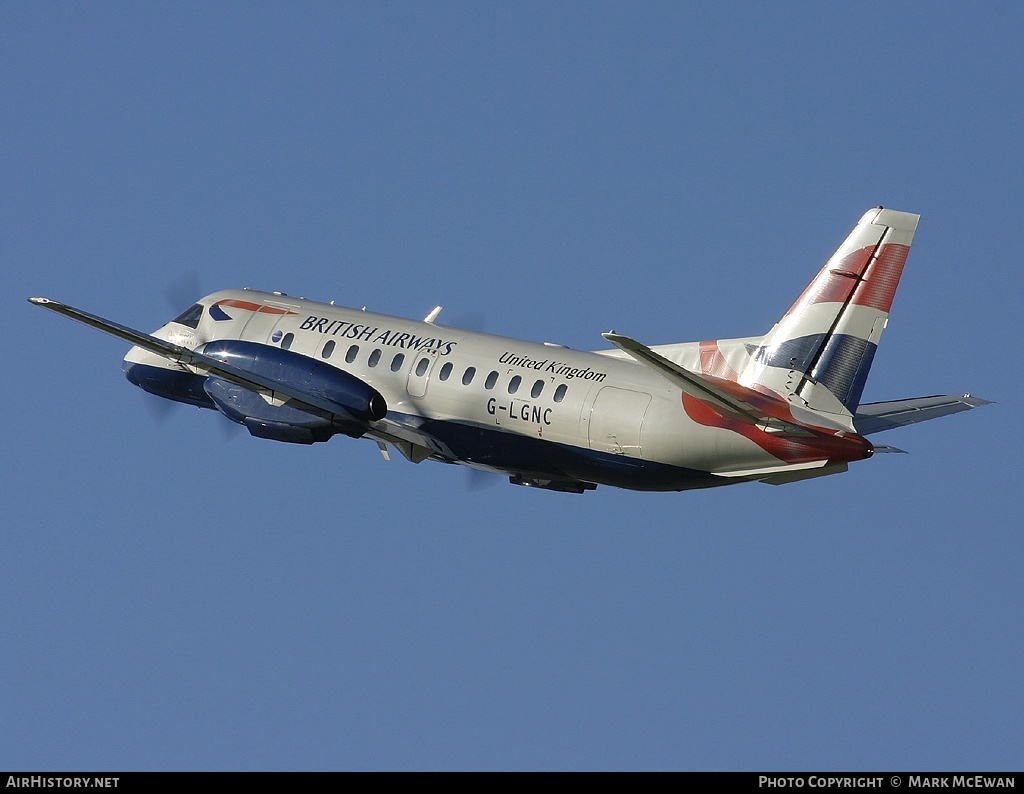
(616, 419)
(419, 376)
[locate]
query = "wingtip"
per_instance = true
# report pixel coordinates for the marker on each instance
(975, 402)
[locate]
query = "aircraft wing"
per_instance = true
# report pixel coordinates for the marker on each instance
(195, 361)
(702, 388)
(876, 417)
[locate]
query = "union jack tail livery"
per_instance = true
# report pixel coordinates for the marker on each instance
(818, 355)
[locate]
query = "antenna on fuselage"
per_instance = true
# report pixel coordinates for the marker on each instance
(433, 315)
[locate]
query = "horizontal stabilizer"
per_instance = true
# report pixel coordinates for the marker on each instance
(780, 475)
(196, 361)
(702, 388)
(782, 478)
(876, 417)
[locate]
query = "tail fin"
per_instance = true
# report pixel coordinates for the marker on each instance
(818, 355)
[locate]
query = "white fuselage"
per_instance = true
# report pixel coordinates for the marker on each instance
(775, 408)
(529, 409)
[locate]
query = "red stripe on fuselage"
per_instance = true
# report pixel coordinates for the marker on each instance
(824, 444)
(252, 307)
(820, 446)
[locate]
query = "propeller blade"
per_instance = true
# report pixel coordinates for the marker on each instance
(158, 408)
(183, 291)
(470, 321)
(478, 480)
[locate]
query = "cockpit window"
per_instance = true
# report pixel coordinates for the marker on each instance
(190, 316)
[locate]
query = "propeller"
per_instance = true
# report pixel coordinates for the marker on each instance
(182, 291)
(470, 321)
(158, 408)
(478, 480)
(229, 430)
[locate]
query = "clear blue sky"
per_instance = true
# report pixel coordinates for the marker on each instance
(172, 598)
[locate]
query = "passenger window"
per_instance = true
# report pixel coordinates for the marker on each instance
(421, 367)
(286, 343)
(560, 393)
(513, 385)
(446, 370)
(492, 378)
(374, 358)
(538, 387)
(397, 361)
(351, 354)
(467, 377)
(328, 349)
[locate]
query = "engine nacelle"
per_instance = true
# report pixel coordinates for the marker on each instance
(287, 422)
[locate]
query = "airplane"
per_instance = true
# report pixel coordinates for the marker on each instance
(776, 408)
